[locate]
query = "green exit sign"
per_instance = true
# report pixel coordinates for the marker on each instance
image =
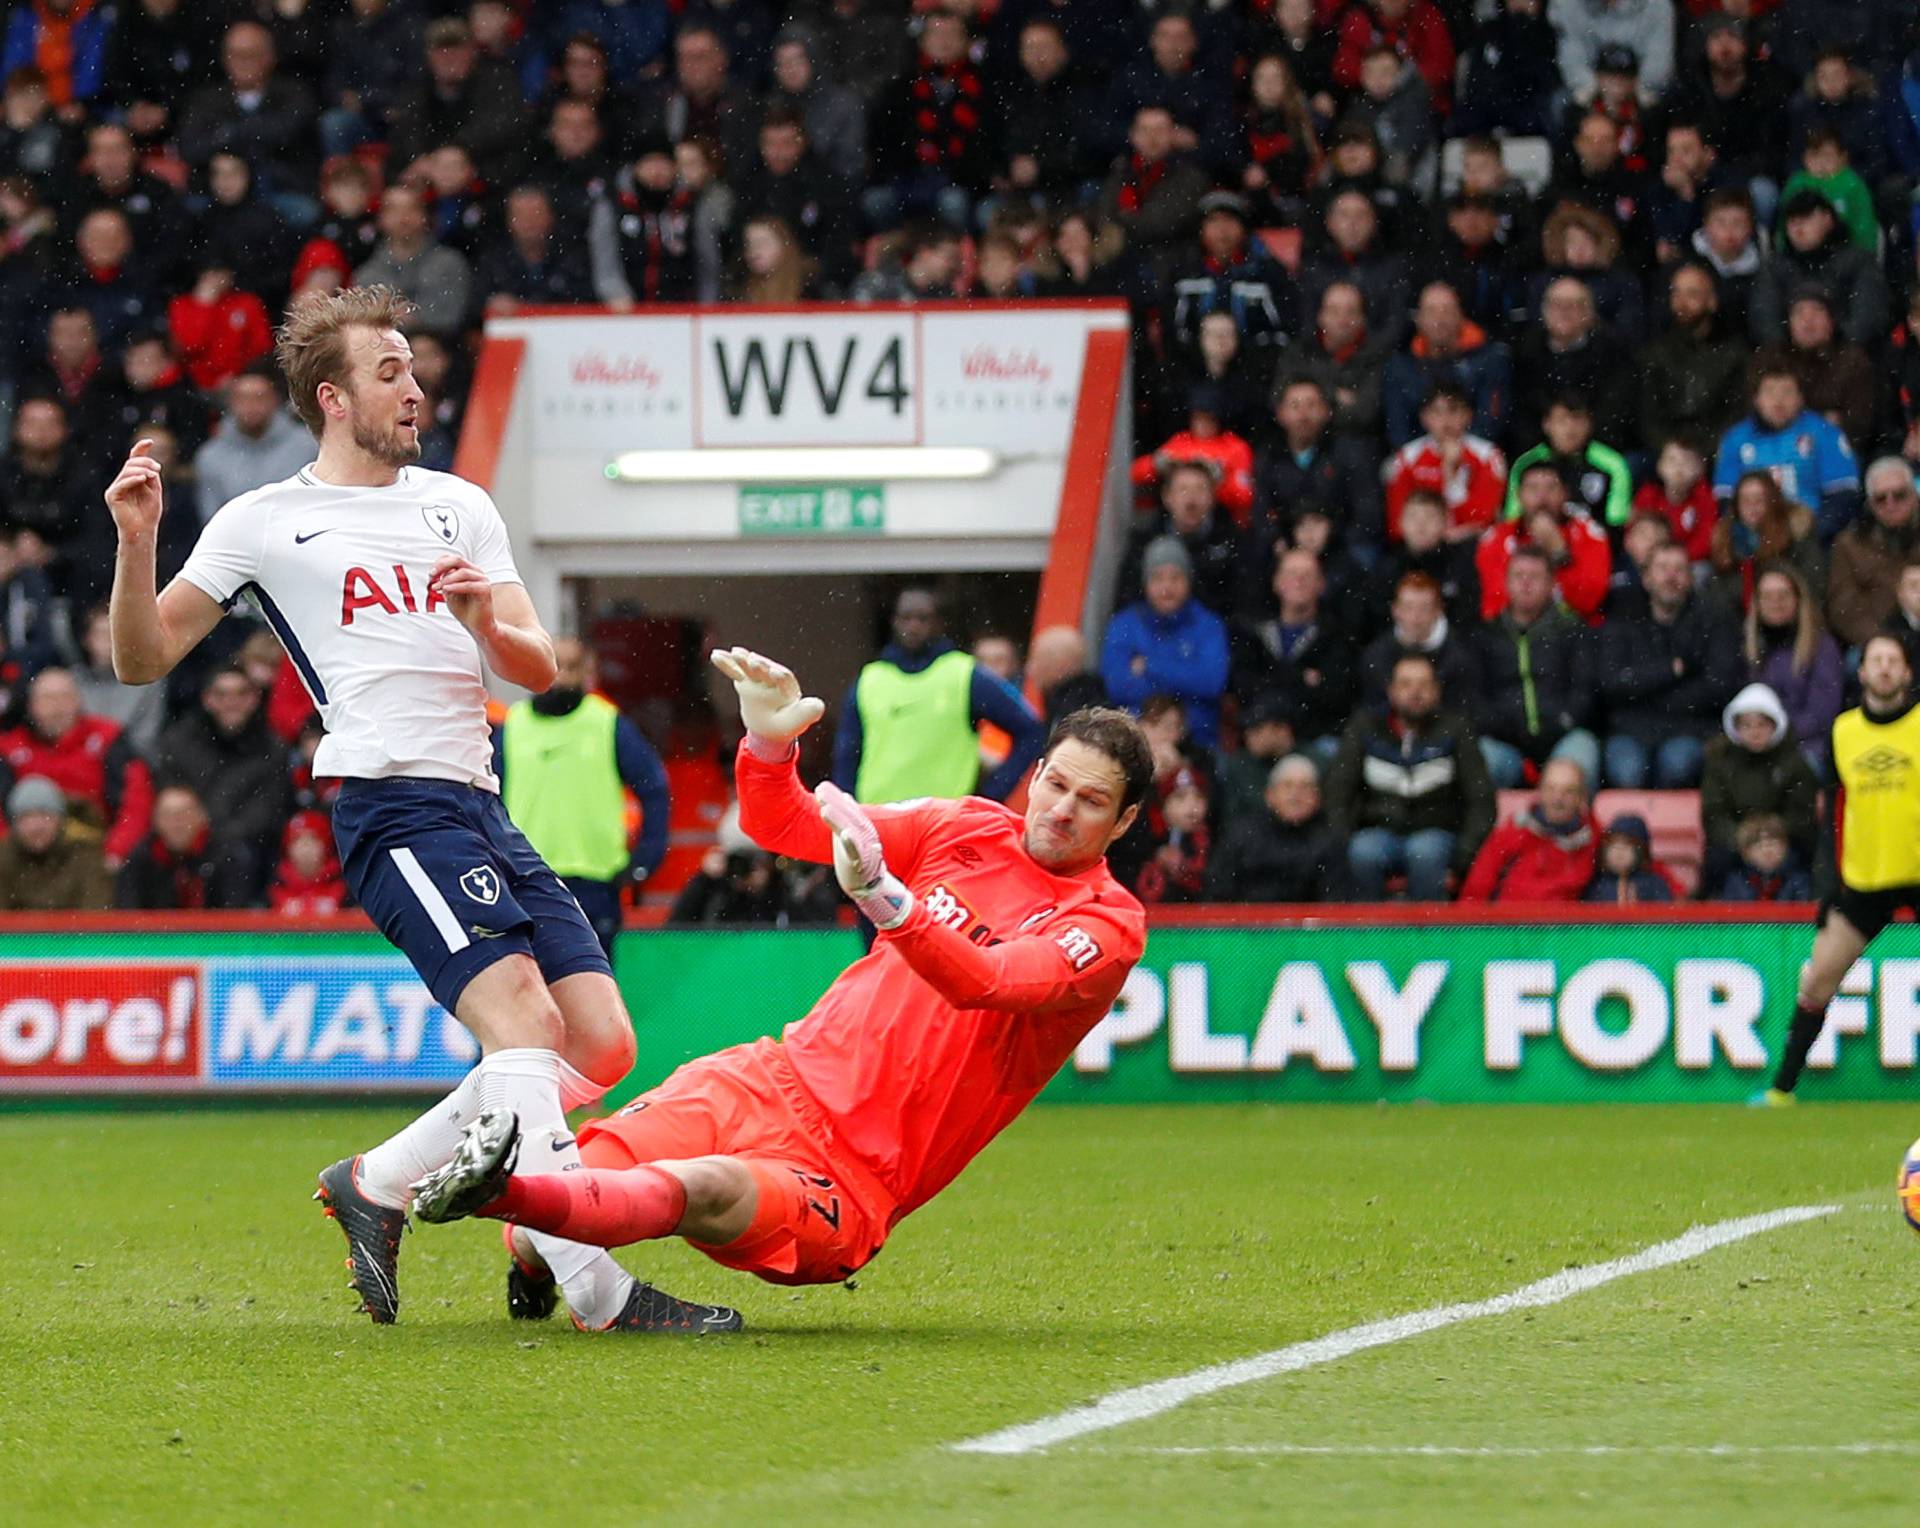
(813, 509)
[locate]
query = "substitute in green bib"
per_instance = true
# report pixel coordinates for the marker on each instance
(565, 761)
(908, 728)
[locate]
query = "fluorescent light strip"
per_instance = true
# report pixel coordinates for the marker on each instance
(803, 464)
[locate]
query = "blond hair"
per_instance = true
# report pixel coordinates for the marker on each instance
(311, 346)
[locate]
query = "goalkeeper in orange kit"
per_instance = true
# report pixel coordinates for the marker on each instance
(1003, 940)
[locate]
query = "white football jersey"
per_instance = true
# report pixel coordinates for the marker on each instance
(340, 574)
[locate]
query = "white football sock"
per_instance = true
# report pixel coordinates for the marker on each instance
(594, 1285)
(388, 1172)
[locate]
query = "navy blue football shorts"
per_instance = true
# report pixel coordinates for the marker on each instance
(454, 885)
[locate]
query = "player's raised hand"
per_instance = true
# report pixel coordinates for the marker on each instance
(467, 591)
(859, 863)
(134, 495)
(770, 700)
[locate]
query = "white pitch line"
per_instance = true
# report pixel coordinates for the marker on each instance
(1515, 1451)
(1142, 1401)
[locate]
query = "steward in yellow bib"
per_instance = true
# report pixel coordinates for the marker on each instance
(908, 726)
(565, 760)
(1876, 752)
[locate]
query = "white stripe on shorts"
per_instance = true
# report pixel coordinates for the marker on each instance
(428, 896)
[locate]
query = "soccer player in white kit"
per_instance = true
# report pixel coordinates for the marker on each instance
(389, 586)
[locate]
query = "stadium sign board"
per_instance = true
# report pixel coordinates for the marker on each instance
(813, 509)
(1476, 1013)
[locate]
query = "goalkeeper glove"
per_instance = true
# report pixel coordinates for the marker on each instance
(858, 862)
(771, 704)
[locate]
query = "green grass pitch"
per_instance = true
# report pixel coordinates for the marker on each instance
(177, 1344)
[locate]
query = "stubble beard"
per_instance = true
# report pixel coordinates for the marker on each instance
(388, 447)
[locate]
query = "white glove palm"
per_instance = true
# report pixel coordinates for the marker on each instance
(859, 864)
(770, 700)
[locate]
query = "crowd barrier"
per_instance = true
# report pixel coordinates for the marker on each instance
(1448, 1005)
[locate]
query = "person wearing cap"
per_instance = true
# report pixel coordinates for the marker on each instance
(1590, 29)
(1664, 674)
(1817, 248)
(1837, 380)
(1755, 767)
(466, 98)
(48, 864)
(1285, 850)
(1234, 274)
(1616, 96)
(1807, 455)
(1168, 643)
(1626, 871)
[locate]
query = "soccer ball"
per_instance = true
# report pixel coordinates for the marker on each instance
(1909, 1186)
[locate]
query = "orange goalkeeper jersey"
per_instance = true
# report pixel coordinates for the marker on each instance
(924, 1051)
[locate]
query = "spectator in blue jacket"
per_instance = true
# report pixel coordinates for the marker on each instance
(1805, 453)
(1168, 644)
(1447, 347)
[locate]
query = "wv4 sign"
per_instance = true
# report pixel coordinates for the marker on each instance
(343, 1024)
(1467, 1014)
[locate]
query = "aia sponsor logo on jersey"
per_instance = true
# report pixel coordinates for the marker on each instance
(1081, 947)
(361, 589)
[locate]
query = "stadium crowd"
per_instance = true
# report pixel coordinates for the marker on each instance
(1504, 374)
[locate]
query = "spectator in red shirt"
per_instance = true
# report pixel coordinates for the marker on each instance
(1582, 561)
(105, 784)
(308, 882)
(1680, 492)
(217, 328)
(1468, 473)
(1206, 440)
(1546, 854)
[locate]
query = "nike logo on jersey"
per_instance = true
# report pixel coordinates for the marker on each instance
(559, 1145)
(301, 540)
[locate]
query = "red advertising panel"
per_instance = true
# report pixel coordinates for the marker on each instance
(79, 1026)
